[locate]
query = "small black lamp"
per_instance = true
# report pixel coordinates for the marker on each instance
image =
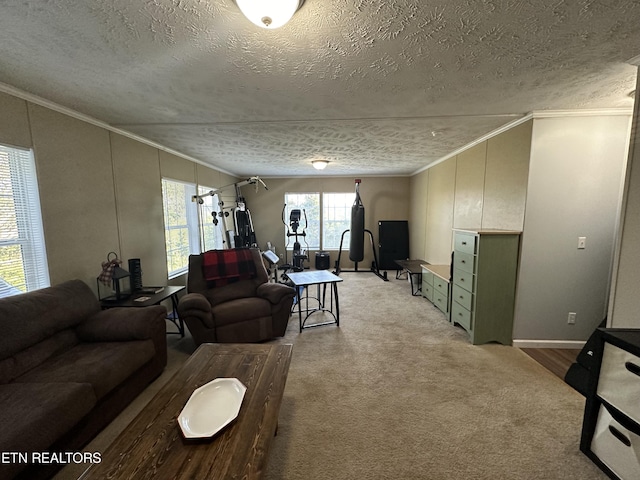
(121, 283)
(115, 280)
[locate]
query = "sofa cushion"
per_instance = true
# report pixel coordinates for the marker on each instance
(21, 362)
(103, 365)
(122, 324)
(29, 318)
(34, 415)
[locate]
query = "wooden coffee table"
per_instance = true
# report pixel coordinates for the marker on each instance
(153, 446)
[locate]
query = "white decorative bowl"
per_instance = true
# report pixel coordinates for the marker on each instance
(211, 407)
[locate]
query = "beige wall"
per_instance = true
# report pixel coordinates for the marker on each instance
(383, 199)
(506, 174)
(139, 206)
(440, 210)
(575, 178)
(100, 191)
(419, 190)
(75, 178)
(469, 192)
(14, 122)
(482, 187)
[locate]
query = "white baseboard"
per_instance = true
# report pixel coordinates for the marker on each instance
(576, 344)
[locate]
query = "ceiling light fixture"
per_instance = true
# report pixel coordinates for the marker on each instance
(269, 13)
(319, 164)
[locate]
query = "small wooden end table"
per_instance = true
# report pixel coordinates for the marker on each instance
(153, 296)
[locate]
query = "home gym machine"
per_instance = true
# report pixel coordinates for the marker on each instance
(356, 239)
(243, 234)
(298, 255)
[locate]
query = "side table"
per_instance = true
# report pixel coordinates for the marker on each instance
(143, 299)
(411, 268)
(304, 280)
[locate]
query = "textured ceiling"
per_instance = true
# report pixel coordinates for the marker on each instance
(379, 87)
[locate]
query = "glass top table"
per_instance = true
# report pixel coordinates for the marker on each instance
(321, 278)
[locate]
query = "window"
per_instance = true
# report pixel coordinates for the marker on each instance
(336, 218)
(211, 227)
(23, 257)
(180, 225)
(309, 204)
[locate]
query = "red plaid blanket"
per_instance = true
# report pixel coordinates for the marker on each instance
(228, 266)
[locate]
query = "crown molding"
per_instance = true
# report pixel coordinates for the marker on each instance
(498, 131)
(595, 112)
(43, 102)
(532, 115)
(634, 61)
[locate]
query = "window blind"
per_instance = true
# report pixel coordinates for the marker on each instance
(23, 258)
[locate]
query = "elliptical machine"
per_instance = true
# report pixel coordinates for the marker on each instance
(299, 256)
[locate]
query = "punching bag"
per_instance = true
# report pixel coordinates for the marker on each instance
(356, 233)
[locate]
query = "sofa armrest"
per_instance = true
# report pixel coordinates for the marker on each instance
(196, 305)
(275, 292)
(123, 324)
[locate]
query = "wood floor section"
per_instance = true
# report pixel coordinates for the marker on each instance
(556, 360)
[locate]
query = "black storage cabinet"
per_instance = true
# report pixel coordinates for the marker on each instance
(393, 243)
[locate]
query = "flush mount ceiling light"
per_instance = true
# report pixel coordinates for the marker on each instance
(319, 164)
(269, 13)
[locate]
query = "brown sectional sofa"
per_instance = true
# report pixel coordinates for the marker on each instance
(67, 368)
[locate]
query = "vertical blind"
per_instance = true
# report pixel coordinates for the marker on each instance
(23, 258)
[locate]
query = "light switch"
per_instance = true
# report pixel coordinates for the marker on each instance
(582, 243)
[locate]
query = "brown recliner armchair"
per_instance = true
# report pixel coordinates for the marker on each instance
(246, 311)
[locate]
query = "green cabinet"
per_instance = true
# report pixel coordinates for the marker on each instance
(427, 284)
(485, 265)
(436, 285)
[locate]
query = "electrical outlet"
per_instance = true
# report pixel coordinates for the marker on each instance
(571, 319)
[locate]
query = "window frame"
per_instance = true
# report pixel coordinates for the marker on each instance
(190, 225)
(325, 202)
(212, 202)
(304, 241)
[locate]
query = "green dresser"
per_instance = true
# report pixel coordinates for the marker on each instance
(485, 266)
(436, 285)
(427, 284)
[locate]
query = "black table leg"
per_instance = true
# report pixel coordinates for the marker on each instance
(299, 307)
(176, 317)
(335, 291)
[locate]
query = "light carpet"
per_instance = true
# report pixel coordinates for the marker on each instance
(397, 392)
